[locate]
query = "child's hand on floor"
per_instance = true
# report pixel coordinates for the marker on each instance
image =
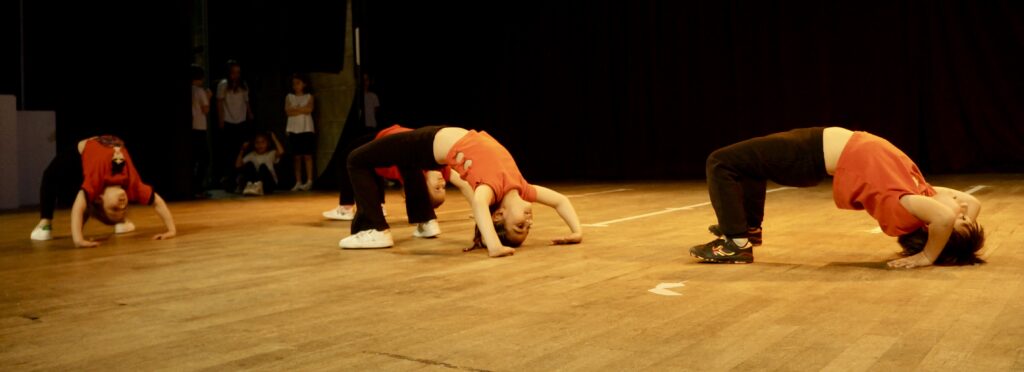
(574, 238)
(86, 243)
(501, 252)
(164, 236)
(910, 262)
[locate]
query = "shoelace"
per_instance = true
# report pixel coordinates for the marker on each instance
(364, 235)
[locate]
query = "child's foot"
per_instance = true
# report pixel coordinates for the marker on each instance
(42, 232)
(368, 239)
(753, 234)
(250, 189)
(124, 227)
(724, 251)
(341, 213)
(258, 186)
(307, 186)
(297, 187)
(429, 229)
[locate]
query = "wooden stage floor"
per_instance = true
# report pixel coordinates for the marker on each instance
(259, 283)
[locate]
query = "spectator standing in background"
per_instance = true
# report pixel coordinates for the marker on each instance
(233, 113)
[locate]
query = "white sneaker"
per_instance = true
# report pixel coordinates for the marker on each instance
(124, 227)
(258, 188)
(307, 186)
(250, 189)
(43, 232)
(426, 230)
(341, 214)
(297, 187)
(368, 239)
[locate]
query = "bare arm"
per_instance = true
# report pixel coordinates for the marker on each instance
(78, 222)
(456, 179)
(239, 162)
(291, 111)
(940, 225)
(308, 108)
(205, 108)
(279, 150)
(973, 204)
(303, 110)
(482, 198)
(564, 207)
(248, 111)
(165, 215)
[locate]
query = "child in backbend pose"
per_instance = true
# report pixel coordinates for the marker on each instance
(234, 117)
(105, 180)
(436, 181)
(256, 167)
(869, 173)
(485, 170)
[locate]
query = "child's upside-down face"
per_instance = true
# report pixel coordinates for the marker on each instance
(517, 218)
(435, 186)
(115, 203)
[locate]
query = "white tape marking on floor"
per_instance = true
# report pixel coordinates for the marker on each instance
(597, 193)
(570, 196)
(973, 189)
(664, 289)
(666, 210)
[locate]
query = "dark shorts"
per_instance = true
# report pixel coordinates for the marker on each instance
(302, 143)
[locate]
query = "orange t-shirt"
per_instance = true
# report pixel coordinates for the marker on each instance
(391, 173)
(492, 165)
(105, 162)
(873, 175)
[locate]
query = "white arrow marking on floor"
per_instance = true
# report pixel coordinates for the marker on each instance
(973, 189)
(664, 289)
(666, 210)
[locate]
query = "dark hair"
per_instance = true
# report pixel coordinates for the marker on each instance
(197, 72)
(265, 135)
(499, 227)
(95, 210)
(234, 86)
(961, 249)
(308, 89)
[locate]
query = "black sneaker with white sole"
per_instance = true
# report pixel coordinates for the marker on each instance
(724, 251)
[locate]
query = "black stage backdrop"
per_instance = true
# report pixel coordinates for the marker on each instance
(114, 67)
(122, 67)
(646, 89)
(590, 90)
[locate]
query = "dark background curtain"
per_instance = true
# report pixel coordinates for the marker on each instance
(646, 89)
(122, 67)
(583, 90)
